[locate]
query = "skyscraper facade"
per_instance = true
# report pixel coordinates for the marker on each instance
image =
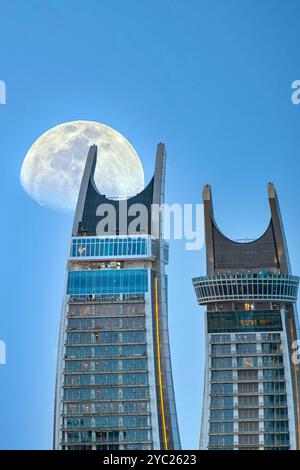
(251, 392)
(114, 388)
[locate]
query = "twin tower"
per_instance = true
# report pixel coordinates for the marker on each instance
(114, 387)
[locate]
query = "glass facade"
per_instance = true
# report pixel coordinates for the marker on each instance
(107, 281)
(99, 247)
(250, 286)
(247, 394)
(266, 320)
(106, 382)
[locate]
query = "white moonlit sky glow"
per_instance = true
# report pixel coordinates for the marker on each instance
(52, 169)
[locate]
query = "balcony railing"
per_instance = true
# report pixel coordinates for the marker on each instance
(246, 286)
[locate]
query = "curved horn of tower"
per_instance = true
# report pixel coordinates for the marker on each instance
(87, 174)
(268, 252)
(279, 235)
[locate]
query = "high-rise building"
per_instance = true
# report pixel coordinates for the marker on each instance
(251, 391)
(114, 387)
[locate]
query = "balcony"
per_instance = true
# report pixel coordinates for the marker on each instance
(246, 286)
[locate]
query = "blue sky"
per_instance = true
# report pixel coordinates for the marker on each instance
(211, 79)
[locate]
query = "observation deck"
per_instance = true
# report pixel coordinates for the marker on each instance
(246, 286)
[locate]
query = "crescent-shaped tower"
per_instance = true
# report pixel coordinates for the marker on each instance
(114, 388)
(251, 391)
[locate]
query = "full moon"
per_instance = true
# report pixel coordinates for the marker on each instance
(52, 169)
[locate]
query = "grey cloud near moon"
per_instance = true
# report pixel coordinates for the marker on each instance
(52, 169)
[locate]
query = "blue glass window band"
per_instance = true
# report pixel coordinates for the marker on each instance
(108, 281)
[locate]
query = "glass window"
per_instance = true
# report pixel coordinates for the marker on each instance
(244, 321)
(221, 402)
(276, 426)
(248, 439)
(270, 336)
(248, 387)
(247, 400)
(272, 361)
(247, 362)
(248, 426)
(107, 281)
(221, 415)
(247, 374)
(221, 388)
(221, 428)
(73, 352)
(220, 338)
(275, 374)
(274, 387)
(246, 348)
(245, 337)
(274, 400)
(220, 441)
(221, 363)
(276, 413)
(248, 413)
(271, 348)
(276, 439)
(220, 349)
(221, 375)
(117, 246)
